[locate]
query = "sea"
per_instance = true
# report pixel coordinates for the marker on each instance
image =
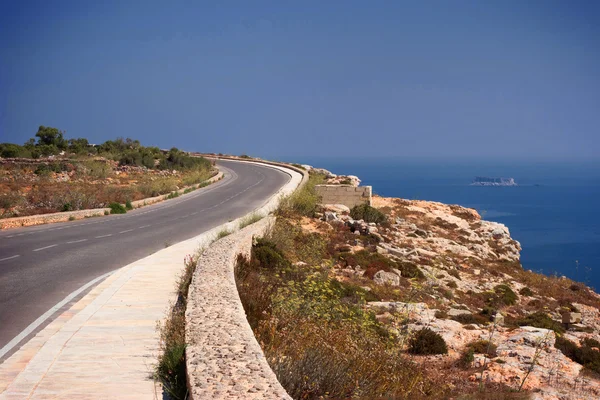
(553, 212)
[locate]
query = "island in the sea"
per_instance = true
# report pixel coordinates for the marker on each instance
(486, 181)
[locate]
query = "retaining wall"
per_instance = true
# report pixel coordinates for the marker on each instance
(347, 195)
(223, 358)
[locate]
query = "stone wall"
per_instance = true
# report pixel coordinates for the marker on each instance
(223, 358)
(349, 196)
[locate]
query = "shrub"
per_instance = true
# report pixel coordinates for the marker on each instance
(170, 369)
(67, 207)
(224, 232)
(467, 319)
(505, 295)
(540, 319)
(250, 219)
(117, 208)
(451, 284)
(454, 273)
(304, 201)
(584, 355)
(368, 214)
(483, 347)
(173, 195)
(526, 292)
(426, 341)
(72, 218)
(128, 205)
(589, 342)
(106, 212)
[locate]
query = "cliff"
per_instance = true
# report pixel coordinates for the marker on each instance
(474, 289)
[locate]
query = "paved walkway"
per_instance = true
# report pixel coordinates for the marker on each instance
(104, 346)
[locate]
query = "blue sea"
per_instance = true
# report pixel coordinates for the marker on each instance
(554, 212)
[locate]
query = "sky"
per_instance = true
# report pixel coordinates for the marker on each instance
(415, 79)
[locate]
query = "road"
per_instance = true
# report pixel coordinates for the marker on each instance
(40, 266)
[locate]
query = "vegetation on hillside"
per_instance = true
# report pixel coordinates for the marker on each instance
(50, 173)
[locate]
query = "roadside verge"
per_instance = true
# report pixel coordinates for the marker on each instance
(41, 219)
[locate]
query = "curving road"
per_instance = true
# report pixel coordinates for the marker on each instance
(40, 266)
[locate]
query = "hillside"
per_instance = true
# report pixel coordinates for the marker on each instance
(411, 299)
(54, 174)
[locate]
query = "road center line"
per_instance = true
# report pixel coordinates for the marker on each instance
(103, 236)
(9, 258)
(128, 230)
(144, 226)
(47, 247)
(77, 241)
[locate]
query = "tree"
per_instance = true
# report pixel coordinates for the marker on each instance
(79, 145)
(51, 137)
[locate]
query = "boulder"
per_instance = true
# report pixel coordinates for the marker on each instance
(330, 216)
(455, 312)
(390, 278)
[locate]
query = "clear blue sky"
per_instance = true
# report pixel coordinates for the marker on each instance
(516, 79)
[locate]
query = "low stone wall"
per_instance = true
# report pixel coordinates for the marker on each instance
(41, 219)
(223, 358)
(349, 196)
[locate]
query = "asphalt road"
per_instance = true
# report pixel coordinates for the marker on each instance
(40, 266)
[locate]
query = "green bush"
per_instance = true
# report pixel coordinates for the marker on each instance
(250, 219)
(128, 205)
(584, 355)
(304, 201)
(427, 341)
(505, 295)
(467, 357)
(224, 232)
(117, 208)
(67, 207)
(467, 319)
(367, 214)
(483, 347)
(526, 292)
(173, 195)
(454, 273)
(540, 319)
(589, 342)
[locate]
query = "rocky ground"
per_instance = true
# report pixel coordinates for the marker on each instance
(447, 269)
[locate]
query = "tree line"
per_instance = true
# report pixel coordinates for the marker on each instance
(50, 141)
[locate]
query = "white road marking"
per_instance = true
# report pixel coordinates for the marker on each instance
(103, 236)
(77, 241)
(9, 346)
(9, 258)
(47, 247)
(128, 230)
(144, 226)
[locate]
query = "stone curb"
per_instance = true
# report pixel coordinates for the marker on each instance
(41, 219)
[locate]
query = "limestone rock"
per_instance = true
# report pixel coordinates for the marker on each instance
(390, 278)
